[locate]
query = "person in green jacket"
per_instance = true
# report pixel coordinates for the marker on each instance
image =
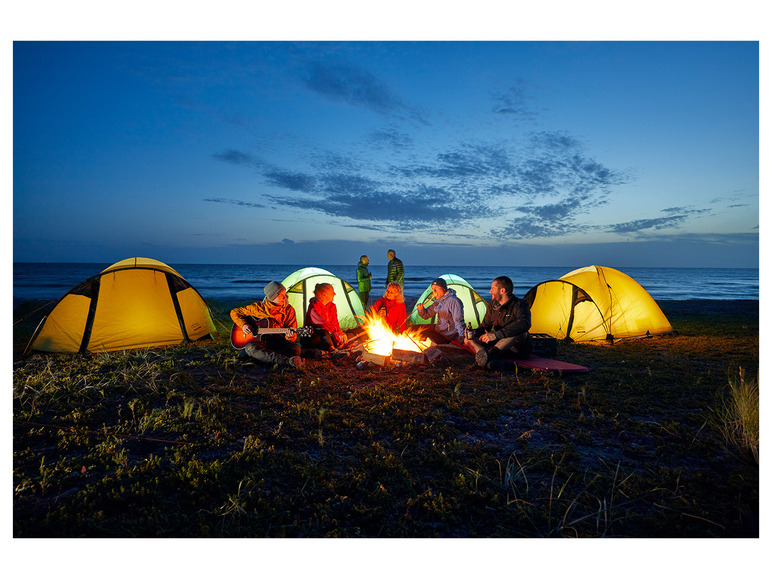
(363, 278)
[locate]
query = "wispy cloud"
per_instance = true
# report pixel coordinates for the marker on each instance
(292, 180)
(516, 101)
(356, 86)
(421, 206)
(391, 138)
(236, 202)
(676, 216)
(467, 160)
(549, 220)
(556, 167)
(235, 157)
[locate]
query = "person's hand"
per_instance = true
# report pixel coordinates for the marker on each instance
(420, 307)
(248, 329)
(382, 312)
(488, 337)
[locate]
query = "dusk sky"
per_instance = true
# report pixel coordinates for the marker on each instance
(521, 153)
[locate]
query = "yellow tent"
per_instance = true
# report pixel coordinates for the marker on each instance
(135, 303)
(594, 303)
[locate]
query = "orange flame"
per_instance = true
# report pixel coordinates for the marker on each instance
(383, 339)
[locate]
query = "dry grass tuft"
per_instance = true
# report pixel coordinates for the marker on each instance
(737, 415)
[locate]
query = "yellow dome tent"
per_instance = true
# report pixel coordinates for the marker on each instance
(135, 303)
(594, 303)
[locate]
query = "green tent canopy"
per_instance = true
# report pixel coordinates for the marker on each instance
(300, 289)
(474, 305)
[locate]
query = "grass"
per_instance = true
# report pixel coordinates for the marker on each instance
(737, 415)
(188, 442)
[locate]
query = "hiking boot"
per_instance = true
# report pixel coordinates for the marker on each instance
(481, 358)
(338, 355)
(296, 362)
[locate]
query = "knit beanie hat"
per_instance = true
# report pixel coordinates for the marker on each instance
(440, 282)
(272, 290)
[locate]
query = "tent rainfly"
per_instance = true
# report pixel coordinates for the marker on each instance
(474, 305)
(594, 303)
(134, 303)
(300, 289)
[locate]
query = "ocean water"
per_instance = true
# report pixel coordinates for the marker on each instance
(50, 281)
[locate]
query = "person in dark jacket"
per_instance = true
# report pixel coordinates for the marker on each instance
(395, 271)
(503, 332)
(363, 279)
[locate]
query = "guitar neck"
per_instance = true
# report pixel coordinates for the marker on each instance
(274, 330)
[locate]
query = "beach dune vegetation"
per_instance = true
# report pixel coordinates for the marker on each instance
(190, 441)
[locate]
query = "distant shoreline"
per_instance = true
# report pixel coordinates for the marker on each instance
(687, 306)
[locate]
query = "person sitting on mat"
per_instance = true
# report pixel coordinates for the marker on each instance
(503, 332)
(281, 348)
(449, 309)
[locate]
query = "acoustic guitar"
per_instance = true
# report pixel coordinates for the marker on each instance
(264, 326)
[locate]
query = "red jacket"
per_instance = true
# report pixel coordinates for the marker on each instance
(324, 317)
(396, 314)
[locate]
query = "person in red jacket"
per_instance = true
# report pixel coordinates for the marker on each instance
(322, 315)
(391, 307)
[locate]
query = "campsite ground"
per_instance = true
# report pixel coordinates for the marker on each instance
(189, 442)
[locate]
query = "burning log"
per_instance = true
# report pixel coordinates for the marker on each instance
(378, 359)
(408, 356)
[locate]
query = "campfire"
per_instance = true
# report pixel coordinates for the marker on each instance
(385, 345)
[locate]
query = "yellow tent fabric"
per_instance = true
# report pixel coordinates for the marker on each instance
(135, 303)
(595, 303)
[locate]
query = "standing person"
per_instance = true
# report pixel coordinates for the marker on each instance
(449, 310)
(363, 279)
(504, 329)
(395, 271)
(391, 307)
(322, 315)
(280, 349)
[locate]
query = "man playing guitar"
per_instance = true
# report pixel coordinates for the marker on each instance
(277, 346)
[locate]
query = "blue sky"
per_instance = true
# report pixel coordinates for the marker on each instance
(527, 153)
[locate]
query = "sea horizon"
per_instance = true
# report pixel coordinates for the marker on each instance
(51, 280)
